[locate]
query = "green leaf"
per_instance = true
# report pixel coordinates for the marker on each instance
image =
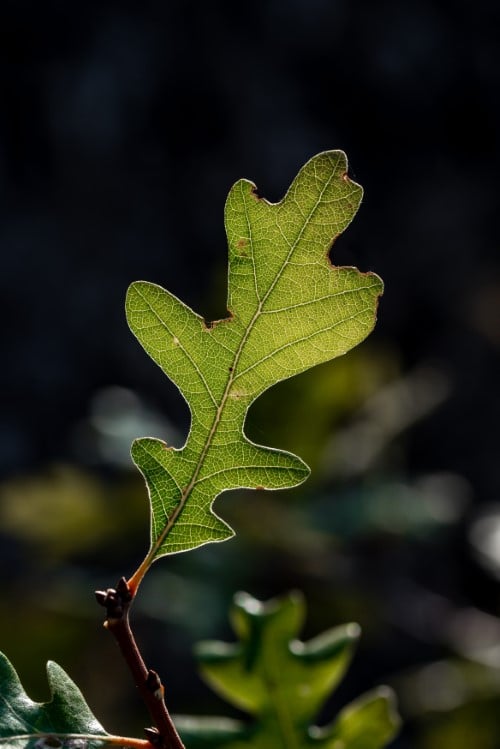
(368, 723)
(283, 683)
(289, 309)
(66, 721)
(212, 733)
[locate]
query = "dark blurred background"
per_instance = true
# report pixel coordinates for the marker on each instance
(122, 127)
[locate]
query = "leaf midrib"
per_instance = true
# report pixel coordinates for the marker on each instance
(273, 684)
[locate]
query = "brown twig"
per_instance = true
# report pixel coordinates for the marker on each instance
(117, 603)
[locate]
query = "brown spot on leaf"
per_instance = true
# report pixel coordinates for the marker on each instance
(254, 194)
(213, 323)
(236, 394)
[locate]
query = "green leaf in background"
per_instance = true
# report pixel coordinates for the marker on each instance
(65, 721)
(283, 683)
(289, 309)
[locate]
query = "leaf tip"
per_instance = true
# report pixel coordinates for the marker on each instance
(352, 631)
(388, 695)
(132, 288)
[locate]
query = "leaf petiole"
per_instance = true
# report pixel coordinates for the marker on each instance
(51, 740)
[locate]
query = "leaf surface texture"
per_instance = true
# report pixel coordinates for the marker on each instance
(288, 310)
(65, 722)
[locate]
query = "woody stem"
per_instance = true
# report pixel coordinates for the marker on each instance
(117, 603)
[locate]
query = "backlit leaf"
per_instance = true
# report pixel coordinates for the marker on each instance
(289, 309)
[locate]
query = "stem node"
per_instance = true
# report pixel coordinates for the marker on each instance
(117, 603)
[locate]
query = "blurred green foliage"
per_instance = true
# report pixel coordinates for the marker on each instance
(283, 682)
(356, 544)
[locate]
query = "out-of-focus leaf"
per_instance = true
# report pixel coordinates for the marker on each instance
(283, 683)
(368, 723)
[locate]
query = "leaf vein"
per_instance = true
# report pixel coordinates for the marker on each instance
(183, 348)
(299, 340)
